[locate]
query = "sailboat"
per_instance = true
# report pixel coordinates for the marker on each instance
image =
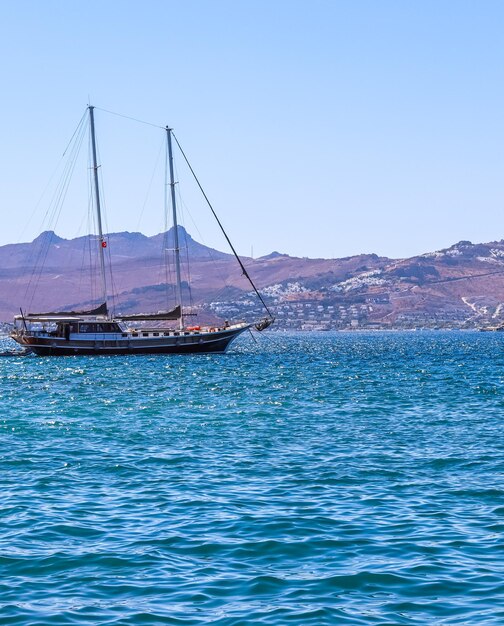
(96, 332)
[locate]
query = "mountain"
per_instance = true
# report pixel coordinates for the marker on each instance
(59, 253)
(459, 287)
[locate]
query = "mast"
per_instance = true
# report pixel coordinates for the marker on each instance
(178, 292)
(101, 241)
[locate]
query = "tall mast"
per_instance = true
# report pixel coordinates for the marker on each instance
(175, 228)
(101, 240)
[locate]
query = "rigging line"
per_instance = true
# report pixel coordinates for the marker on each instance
(184, 206)
(52, 209)
(245, 273)
(182, 210)
(128, 117)
(183, 245)
(37, 271)
(210, 256)
(71, 169)
(154, 171)
(164, 274)
(50, 181)
(84, 250)
(188, 265)
(210, 253)
(113, 287)
(52, 214)
(185, 209)
(102, 191)
(93, 270)
(91, 226)
(82, 273)
(84, 115)
(252, 335)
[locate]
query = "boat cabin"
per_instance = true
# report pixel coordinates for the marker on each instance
(64, 327)
(93, 327)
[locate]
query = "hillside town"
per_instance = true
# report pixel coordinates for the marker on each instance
(316, 316)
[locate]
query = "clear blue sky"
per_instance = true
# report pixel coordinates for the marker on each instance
(321, 128)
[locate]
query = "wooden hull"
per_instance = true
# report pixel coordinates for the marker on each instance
(202, 343)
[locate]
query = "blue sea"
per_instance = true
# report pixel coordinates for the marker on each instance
(319, 478)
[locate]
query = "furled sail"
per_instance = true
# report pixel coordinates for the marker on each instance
(100, 310)
(168, 315)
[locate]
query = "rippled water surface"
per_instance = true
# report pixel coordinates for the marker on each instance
(306, 479)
